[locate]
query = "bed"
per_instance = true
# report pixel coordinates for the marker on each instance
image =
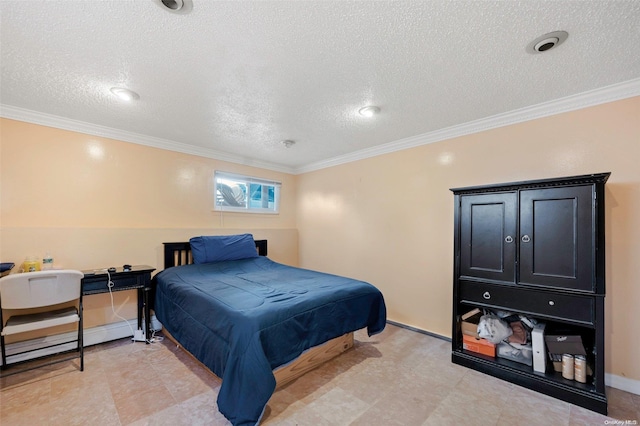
(243, 316)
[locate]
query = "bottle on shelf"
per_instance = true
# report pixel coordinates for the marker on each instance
(47, 262)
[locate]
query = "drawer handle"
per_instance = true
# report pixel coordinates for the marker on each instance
(486, 295)
(526, 238)
(551, 302)
(509, 239)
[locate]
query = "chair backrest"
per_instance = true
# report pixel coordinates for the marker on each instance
(42, 288)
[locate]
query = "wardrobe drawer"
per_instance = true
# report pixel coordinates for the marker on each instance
(561, 307)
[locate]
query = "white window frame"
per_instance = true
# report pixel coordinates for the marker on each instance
(223, 197)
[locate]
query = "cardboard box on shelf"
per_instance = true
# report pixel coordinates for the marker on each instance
(559, 344)
(470, 322)
(478, 345)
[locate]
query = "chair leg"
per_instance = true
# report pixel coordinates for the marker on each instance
(4, 354)
(81, 338)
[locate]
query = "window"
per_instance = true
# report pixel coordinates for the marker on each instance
(239, 193)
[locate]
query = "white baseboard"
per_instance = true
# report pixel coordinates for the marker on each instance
(622, 383)
(91, 336)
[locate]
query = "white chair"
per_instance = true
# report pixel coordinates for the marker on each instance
(42, 289)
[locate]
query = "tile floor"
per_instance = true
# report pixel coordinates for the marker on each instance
(398, 377)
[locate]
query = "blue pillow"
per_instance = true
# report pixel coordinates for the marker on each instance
(207, 249)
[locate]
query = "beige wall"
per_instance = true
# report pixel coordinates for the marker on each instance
(389, 219)
(95, 202)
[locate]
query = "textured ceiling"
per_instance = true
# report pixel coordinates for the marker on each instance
(238, 77)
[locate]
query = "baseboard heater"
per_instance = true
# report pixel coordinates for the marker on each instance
(92, 336)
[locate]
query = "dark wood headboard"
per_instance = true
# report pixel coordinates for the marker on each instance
(176, 254)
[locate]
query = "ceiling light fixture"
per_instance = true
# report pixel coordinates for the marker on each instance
(547, 42)
(125, 94)
(369, 111)
(175, 6)
(288, 143)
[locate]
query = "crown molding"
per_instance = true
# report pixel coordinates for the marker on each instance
(587, 99)
(49, 120)
(590, 98)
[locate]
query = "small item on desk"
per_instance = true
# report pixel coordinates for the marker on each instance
(111, 269)
(126, 268)
(47, 262)
(30, 264)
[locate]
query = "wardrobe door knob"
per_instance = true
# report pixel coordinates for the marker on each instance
(526, 238)
(487, 295)
(509, 239)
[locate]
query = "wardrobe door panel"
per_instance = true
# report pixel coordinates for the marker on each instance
(556, 238)
(488, 236)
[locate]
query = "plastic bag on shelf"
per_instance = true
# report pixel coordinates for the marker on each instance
(515, 352)
(493, 329)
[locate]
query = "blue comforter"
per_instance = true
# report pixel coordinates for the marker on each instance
(243, 318)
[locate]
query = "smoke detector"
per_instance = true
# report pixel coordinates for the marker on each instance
(175, 6)
(547, 42)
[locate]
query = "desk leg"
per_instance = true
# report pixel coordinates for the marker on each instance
(147, 315)
(140, 306)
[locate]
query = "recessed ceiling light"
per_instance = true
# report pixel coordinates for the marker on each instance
(175, 6)
(288, 143)
(125, 94)
(369, 111)
(547, 42)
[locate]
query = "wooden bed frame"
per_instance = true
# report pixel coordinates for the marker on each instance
(177, 254)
